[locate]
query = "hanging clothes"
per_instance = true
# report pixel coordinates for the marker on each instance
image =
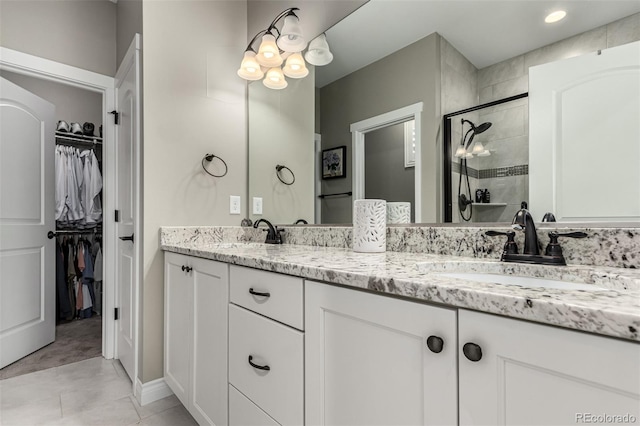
(78, 188)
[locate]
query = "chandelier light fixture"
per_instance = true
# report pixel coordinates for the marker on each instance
(284, 46)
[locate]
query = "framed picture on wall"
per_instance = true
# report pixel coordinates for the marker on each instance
(333, 162)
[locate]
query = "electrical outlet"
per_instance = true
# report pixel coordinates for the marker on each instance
(234, 204)
(257, 205)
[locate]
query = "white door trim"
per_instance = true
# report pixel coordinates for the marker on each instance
(132, 58)
(34, 66)
(359, 129)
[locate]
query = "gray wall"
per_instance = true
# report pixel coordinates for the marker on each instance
(281, 132)
(78, 33)
(194, 104)
(386, 178)
(405, 77)
(72, 104)
(129, 22)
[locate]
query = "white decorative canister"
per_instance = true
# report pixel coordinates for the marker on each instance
(398, 212)
(369, 226)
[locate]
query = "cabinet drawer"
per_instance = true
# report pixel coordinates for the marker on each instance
(243, 412)
(284, 302)
(278, 391)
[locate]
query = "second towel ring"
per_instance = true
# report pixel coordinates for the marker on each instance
(209, 158)
(279, 168)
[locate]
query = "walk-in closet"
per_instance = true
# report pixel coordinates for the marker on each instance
(79, 232)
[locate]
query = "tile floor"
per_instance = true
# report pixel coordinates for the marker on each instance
(90, 392)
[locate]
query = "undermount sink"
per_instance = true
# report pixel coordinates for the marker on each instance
(523, 275)
(520, 281)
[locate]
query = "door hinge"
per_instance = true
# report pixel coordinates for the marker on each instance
(116, 313)
(116, 116)
(117, 215)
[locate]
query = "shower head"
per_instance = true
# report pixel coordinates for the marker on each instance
(474, 130)
(482, 128)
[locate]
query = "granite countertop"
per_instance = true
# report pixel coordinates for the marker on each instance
(612, 310)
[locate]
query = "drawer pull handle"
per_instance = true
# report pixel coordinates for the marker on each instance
(257, 293)
(259, 367)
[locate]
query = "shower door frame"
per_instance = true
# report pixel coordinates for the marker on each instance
(446, 156)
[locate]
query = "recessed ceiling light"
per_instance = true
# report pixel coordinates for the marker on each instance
(555, 16)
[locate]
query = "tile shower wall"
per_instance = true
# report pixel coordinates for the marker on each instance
(459, 81)
(511, 77)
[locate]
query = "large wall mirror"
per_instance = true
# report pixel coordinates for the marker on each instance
(448, 57)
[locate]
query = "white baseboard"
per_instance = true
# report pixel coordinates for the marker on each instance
(151, 391)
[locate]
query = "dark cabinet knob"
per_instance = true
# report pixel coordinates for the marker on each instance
(186, 268)
(435, 344)
(472, 351)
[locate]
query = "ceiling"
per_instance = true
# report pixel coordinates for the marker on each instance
(484, 31)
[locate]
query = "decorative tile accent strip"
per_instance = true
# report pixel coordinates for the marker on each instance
(504, 171)
(455, 167)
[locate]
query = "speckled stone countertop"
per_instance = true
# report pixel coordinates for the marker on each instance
(613, 309)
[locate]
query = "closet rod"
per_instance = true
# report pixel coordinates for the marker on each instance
(78, 139)
(52, 234)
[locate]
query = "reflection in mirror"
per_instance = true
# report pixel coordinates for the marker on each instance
(489, 162)
(442, 71)
(386, 176)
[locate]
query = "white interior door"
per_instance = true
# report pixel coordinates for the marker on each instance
(127, 143)
(27, 195)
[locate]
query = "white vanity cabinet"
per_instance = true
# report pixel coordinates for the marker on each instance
(367, 360)
(266, 348)
(195, 335)
(533, 374)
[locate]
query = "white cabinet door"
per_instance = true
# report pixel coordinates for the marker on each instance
(210, 303)
(177, 318)
(367, 360)
(196, 304)
(532, 374)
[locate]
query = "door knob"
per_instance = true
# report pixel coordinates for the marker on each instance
(129, 238)
(51, 234)
(435, 344)
(472, 351)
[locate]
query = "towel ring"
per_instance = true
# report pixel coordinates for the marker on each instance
(279, 168)
(209, 158)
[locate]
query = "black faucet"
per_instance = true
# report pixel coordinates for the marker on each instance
(301, 221)
(273, 233)
(523, 221)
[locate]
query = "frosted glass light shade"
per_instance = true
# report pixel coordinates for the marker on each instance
(250, 68)
(291, 39)
(460, 152)
(484, 153)
(268, 53)
(295, 67)
(478, 148)
(318, 53)
(275, 79)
